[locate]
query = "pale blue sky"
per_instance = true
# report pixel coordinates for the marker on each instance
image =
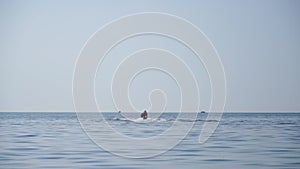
(258, 43)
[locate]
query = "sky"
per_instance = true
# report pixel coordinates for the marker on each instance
(257, 42)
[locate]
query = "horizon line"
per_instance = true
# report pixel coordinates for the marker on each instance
(149, 112)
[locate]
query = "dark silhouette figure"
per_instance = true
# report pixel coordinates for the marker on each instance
(144, 115)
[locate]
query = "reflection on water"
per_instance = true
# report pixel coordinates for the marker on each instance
(56, 140)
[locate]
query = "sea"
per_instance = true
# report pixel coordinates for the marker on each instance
(241, 140)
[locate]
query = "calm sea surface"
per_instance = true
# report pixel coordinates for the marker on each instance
(242, 140)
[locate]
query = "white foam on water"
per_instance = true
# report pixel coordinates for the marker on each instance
(141, 120)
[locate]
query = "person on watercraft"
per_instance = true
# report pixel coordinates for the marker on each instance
(144, 115)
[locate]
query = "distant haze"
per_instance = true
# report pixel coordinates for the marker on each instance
(257, 41)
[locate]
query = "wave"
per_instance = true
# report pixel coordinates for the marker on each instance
(141, 120)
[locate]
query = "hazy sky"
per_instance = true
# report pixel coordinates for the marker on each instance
(257, 41)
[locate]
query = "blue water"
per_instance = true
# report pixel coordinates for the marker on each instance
(242, 140)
